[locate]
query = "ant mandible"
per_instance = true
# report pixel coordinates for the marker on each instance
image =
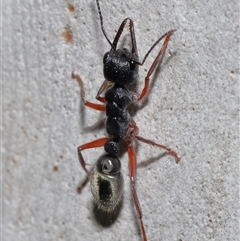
(120, 68)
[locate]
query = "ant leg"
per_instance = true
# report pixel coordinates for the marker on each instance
(97, 143)
(103, 88)
(132, 164)
(134, 134)
(169, 150)
(155, 62)
(82, 93)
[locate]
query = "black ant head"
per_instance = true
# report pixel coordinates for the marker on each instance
(120, 66)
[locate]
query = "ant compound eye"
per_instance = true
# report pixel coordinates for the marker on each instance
(109, 164)
(105, 57)
(132, 64)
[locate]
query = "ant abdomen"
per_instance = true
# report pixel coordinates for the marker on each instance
(107, 183)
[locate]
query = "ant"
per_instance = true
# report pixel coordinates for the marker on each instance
(120, 68)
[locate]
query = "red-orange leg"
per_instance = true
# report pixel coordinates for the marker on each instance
(82, 93)
(169, 150)
(132, 164)
(133, 133)
(154, 64)
(97, 143)
(102, 89)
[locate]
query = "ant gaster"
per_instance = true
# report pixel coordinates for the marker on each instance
(120, 68)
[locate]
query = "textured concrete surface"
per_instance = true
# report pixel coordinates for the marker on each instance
(193, 107)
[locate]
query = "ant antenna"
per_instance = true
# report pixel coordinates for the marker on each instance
(102, 27)
(153, 46)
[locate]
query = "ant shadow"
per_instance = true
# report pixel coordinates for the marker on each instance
(104, 218)
(151, 160)
(135, 107)
(98, 125)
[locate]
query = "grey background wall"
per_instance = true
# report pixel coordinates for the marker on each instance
(193, 107)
